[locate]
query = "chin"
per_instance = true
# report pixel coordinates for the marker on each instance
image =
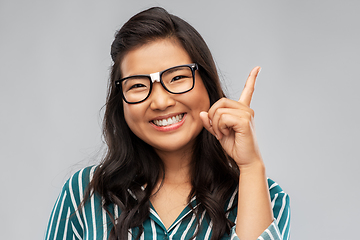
(175, 147)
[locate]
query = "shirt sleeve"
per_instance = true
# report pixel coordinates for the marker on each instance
(65, 221)
(279, 229)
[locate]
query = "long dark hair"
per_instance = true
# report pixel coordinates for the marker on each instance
(130, 163)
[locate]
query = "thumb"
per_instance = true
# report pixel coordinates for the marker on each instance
(204, 116)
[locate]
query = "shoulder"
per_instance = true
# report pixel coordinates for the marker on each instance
(77, 184)
(275, 190)
(81, 178)
(280, 202)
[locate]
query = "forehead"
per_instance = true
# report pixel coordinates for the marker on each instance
(153, 57)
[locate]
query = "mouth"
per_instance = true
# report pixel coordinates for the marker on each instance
(168, 121)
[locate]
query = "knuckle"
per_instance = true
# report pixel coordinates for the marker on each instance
(252, 112)
(224, 118)
(249, 115)
(245, 122)
(220, 111)
(251, 90)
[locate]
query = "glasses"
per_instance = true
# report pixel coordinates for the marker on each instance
(176, 80)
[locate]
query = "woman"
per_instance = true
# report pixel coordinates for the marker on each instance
(182, 160)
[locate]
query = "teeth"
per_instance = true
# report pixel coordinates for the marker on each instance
(169, 121)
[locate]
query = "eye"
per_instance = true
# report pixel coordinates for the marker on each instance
(178, 78)
(138, 85)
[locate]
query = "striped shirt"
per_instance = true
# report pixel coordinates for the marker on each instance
(91, 221)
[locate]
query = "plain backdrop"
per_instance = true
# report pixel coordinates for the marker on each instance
(54, 68)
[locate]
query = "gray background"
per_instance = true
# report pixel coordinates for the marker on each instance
(54, 61)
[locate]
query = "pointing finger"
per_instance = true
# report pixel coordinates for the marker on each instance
(249, 87)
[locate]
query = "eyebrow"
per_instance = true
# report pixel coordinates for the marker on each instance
(177, 68)
(129, 77)
(171, 70)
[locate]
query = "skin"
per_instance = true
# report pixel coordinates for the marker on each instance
(232, 122)
(175, 146)
(154, 57)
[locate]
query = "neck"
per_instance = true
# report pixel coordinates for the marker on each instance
(177, 166)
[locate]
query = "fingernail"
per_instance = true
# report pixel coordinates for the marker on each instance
(210, 122)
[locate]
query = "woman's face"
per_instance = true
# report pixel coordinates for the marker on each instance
(144, 118)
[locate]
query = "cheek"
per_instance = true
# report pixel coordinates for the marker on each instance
(203, 102)
(131, 114)
(201, 97)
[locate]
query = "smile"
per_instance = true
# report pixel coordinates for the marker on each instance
(168, 121)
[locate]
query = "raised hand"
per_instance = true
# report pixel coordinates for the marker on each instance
(232, 122)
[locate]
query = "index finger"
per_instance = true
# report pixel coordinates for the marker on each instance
(246, 95)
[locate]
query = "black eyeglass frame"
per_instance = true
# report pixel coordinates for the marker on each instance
(192, 66)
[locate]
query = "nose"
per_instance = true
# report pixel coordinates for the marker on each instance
(160, 98)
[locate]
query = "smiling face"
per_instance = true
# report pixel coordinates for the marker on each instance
(168, 122)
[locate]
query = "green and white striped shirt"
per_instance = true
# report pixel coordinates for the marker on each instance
(92, 222)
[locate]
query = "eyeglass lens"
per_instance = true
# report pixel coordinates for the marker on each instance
(175, 80)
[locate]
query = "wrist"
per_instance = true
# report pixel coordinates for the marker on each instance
(256, 167)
